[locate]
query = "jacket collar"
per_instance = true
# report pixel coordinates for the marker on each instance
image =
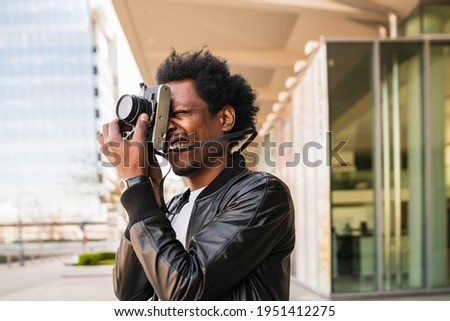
(233, 168)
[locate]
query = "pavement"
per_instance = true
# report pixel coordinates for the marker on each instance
(55, 279)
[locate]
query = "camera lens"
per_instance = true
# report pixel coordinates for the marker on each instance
(129, 107)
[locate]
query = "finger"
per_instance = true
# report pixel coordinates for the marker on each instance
(105, 131)
(140, 131)
(101, 139)
(101, 149)
(114, 130)
(124, 127)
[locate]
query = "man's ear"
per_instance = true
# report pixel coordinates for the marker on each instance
(227, 118)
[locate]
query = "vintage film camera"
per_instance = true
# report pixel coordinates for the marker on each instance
(155, 101)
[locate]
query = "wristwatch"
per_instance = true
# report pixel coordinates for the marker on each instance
(127, 183)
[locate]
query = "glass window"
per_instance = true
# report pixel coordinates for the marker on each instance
(402, 165)
(427, 19)
(48, 107)
(411, 27)
(352, 193)
(436, 19)
(440, 163)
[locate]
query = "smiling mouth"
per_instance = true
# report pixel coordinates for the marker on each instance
(177, 145)
(177, 142)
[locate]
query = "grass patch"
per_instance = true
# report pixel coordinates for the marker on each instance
(99, 258)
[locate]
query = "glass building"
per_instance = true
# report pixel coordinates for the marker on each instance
(373, 192)
(57, 72)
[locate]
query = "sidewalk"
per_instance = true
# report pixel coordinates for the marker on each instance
(53, 280)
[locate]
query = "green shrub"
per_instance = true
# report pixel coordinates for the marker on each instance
(99, 258)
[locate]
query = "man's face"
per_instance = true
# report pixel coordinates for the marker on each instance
(191, 122)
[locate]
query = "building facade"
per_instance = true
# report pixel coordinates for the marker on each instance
(58, 82)
(368, 163)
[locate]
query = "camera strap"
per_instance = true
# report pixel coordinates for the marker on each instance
(230, 136)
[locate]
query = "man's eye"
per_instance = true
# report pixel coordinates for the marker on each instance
(179, 112)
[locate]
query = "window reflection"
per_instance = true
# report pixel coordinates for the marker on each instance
(47, 109)
(402, 165)
(440, 163)
(351, 118)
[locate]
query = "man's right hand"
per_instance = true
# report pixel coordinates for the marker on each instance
(129, 157)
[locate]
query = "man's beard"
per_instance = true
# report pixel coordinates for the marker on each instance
(184, 171)
(194, 160)
(185, 167)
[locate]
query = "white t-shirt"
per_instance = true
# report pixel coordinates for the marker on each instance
(181, 220)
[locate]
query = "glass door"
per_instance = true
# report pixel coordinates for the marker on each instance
(352, 192)
(439, 93)
(402, 165)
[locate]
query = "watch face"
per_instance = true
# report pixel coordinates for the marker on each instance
(126, 183)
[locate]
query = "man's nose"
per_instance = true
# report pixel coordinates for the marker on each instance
(171, 125)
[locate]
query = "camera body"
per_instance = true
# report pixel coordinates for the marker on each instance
(155, 101)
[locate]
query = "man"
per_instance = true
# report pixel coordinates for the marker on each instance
(234, 231)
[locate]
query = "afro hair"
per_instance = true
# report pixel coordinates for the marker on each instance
(213, 83)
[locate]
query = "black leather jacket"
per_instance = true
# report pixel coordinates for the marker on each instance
(240, 238)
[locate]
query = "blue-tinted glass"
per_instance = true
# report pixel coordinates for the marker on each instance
(47, 105)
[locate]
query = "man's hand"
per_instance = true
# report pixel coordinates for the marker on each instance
(129, 157)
